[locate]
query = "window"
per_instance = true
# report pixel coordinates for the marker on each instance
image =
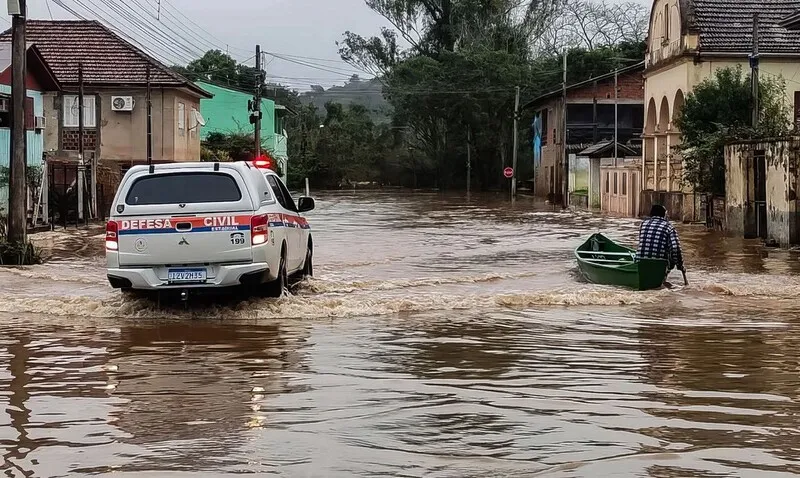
(278, 123)
(181, 114)
(281, 193)
(71, 111)
(193, 122)
(666, 23)
(615, 183)
(287, 195)
(624, 184)
(607, 182)
(183, 188)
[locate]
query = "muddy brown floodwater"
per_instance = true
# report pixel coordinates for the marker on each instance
(441, 338)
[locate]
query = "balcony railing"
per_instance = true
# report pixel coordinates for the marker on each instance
(665, 51)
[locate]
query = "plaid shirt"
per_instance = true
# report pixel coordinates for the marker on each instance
(658, 239)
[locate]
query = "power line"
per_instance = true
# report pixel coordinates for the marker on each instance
(176, 54)
(313, 66)
(191, 32)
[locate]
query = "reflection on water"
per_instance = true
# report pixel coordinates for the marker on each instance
(440, 338)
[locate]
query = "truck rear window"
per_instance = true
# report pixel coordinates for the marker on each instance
(183, 188)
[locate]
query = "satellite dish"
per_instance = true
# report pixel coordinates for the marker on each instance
(200, 120)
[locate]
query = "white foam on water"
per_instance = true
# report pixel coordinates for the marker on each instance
(323, 306)
(328, 286)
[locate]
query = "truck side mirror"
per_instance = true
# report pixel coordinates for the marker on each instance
(305, 204)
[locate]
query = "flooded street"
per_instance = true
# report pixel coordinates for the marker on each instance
(440, 338)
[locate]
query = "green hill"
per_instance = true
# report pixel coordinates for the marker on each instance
(367, 93)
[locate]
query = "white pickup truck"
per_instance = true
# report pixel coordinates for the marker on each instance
(207, 225)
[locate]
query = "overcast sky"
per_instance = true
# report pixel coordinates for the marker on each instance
(299, 28)
(304, 32)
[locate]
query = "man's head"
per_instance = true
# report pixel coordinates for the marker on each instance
(658, 211)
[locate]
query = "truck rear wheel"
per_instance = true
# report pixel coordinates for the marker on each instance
(275, 288)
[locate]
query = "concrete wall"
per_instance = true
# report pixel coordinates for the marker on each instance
(782, 157)
(595, 199)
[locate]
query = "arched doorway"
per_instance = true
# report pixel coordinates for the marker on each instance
(662, 151)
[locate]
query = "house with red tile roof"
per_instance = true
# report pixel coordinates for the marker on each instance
(115, 109)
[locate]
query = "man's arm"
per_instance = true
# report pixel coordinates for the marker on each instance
(675, 245)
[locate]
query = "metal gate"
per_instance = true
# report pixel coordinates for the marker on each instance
(760, 177)
(65, 203)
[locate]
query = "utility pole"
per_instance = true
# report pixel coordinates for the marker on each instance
(754, 72)
(616, 114)
(565, 158)
(94, 212)
(469, 158)
(594, 112)
(17, 191)
(149, 121)
(516, 139)
(81, 162)
(257, 102)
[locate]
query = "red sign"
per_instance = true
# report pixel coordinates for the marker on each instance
(508, 172)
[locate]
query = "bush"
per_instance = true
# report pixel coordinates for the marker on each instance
(717, 112)
(15, 254)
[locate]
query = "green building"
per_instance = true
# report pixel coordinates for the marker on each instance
(227, 112)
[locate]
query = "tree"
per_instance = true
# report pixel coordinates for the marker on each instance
(220, 68)
(718, 111)
(341, 147)
(589, 24)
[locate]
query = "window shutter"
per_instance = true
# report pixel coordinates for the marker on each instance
(29, 121)
(89, 112)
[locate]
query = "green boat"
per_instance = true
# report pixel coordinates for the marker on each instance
(603, 261)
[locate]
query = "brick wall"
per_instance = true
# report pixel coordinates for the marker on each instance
(631, 86)
(70, 140)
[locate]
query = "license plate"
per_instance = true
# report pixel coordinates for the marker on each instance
(186, 275)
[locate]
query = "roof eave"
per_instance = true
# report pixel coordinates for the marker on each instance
(791, 22)
(55, 85)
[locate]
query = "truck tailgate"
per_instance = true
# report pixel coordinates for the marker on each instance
(184, 240)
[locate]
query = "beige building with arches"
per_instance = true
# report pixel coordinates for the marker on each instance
(688, 40)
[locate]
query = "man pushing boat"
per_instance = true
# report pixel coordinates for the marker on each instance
(658, 239)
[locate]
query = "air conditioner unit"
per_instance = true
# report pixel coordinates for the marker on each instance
(122, 103)
(40, 122)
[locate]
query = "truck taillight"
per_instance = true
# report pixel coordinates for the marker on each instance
(112, 236)
(259, 229)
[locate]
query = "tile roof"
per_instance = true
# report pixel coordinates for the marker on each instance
(107, 58)
(726, 26)
(603, 147)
